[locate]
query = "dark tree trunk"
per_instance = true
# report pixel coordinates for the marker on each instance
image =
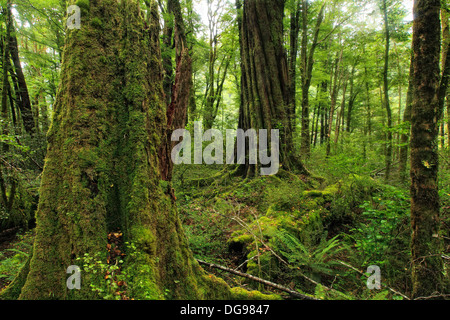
(265, 77)
(334, 94)
(448, 121)
(293, 51)
(351, 102)
(22, 92)
(307, 68)
(427, 268)
(5, 81)
(389, 146)
(404, 139)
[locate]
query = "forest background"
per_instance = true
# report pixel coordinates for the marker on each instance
(347, 195)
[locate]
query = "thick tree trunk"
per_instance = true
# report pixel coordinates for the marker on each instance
(427, 268)
(102, 173)
(265, 77)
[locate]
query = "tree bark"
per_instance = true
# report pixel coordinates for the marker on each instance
(389, 146)
(293, 51)
(180, 88)
(101, 173)
(334, 94)
(307, 59)
(22, 92)
(448, 121)
(5, 84)
(265, 78)
(427, 268)
(407, 121)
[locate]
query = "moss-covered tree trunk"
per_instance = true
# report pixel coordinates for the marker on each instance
(102, 173)
(427, 268)
(403, 155)
(265, 78)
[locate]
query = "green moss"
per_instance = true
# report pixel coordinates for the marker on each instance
(97, 23)
(102, 168)
(238, 293)
(12, 292)
(313, 193)
(214, 288)
(145, 240)
(84, 5)
(240, 239)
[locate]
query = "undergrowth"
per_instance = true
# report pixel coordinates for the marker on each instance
(319, 240)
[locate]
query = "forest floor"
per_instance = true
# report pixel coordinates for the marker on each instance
(264, 226)
(15, 246)
(317, 238)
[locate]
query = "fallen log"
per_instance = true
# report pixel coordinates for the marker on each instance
(263, 281)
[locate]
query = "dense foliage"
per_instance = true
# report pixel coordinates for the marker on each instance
(314, 230)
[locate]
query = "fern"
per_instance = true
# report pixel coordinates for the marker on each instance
(313, 260)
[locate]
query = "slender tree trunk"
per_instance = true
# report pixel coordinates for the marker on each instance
(180, 89)
(341, 115)
(4, 115)
(334, 93)
(307, 59)
(368, 103)
(407, 121)
(323, 112)
(22, 92)
(427, 267)
(448, 121)
(352, 99)
(293, 51)
(389, 146)
(5, 85)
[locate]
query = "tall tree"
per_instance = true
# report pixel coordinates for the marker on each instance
(307, 63)
(387, 104)
(219, 59)
(427, 268)
(101, 172)
(178, 89)
(404, 139)
(23, 97)
(265, 77)
(294, 31)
